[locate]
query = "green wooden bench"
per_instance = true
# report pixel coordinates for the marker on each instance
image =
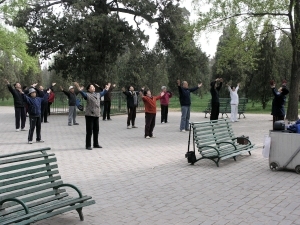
(225, 107)
(31, 188)
(216, 141)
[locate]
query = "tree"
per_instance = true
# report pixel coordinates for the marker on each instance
(89, 36)
(284, 14)
(260, 88)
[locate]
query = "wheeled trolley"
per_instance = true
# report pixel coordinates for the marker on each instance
(284, 151)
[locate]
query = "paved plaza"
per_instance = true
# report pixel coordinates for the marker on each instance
(148, 181)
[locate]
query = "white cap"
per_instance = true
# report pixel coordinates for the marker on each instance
(71, 87)
(163, 87)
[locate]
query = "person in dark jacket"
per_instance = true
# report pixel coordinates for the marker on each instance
(71, 94)
(107, 103)
(185, 102)
(44, 113)
(278, 102)
(92, 113)
(132, 103)
(19, 105)
(215, 102)
(35, 102)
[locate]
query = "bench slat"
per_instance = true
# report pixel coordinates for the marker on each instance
(26, 165)
(29, 184)
(32, 190)
(30, 177)
(24, 158)
(26, 172)
(31, 198)
(25, 152)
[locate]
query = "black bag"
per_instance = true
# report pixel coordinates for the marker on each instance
(191, 157)
(279, 125)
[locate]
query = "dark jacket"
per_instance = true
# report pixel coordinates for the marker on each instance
(185, 95)
(130, 98)
(215, 91)
(107, 96)
(18, 99)
(278, 103)
(34, 104)
(71, 97)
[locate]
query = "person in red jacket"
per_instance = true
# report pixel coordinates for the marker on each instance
(150, 111)
(164, 104)
(50, 100)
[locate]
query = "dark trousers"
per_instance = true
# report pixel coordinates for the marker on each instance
(106, 110)
(149, 124)
(164, 113)
(34, 122)
(20, 114)
(92, 128)
(131, 115)
(44, 112)
(49, 107)
(215, 107)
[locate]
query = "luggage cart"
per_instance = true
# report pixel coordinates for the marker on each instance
(284, 151)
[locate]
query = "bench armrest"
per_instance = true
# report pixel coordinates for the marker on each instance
(16, 200)
(72, 186)
(210, 147)
(249, 142)
(226, 142)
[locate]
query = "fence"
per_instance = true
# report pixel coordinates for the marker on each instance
(118, 103)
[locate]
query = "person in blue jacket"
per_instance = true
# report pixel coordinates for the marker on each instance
(35, 102)
(185, 102)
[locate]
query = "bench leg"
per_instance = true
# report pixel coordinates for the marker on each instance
(249, 152)
(234, 158)
(79, 210)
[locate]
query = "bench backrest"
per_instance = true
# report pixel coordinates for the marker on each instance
(210, 133)
(29, 176)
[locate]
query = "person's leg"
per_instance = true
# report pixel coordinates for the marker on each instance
(49, 107)
(166, 113)
(105, 110)
(17, 117)
(187, 121)
(32, 122)
(70, 116)
(23, 118)
(129, 116)
(46, 113)
(236, 112)
(42, 111)
(162, 113)
(108, 109)
(217, 110)
(74, 115)
(89, 131)
(95, 131)
(183, 117)
(232, 115)
(214, 111)
(38, 128)
(152, 123)
(133, 116)
(147, 124)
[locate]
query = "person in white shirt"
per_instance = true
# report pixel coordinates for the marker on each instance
(234, 102)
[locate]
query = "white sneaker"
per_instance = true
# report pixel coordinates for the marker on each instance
(153, 136)
(29, 142)
(40, 141)
(182, 131)
(162, 122)
(147, 137)
(23, 129)
(128, 127)
(17, 130)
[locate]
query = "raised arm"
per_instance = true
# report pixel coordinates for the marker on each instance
(80, 89)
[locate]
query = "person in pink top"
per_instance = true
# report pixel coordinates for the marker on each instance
(164, 104)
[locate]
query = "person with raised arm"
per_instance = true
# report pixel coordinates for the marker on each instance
(132, 104)
(234, 102)
(92, 113)
(215, 87)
